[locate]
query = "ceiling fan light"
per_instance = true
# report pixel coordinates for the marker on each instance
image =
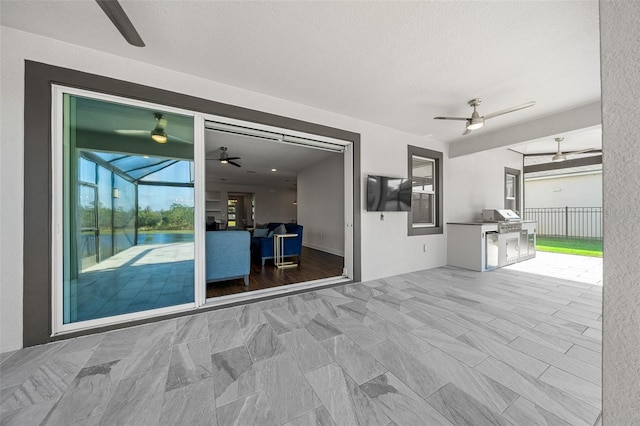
(159, 135)
(474, 124)
(224, 161)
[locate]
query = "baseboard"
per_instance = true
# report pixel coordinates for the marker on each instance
(324, 249)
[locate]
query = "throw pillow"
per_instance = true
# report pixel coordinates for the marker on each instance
(280, 230)
(270, 234)
(260, 232)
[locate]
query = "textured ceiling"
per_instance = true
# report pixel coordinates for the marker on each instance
(394, 63)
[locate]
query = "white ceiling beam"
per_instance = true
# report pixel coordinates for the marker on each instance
(567, 121)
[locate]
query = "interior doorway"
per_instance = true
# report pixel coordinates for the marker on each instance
(270, 177)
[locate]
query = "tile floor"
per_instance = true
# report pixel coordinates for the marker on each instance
(441, 346)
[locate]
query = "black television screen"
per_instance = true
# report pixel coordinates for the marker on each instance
(387, 194)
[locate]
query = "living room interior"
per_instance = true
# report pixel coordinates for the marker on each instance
(256, 180)
(378, 70)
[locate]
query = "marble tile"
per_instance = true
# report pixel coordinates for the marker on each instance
(586, 355)
(322, 307)
(484, 329)
(192, 404)
(332, 296)
(305, 350)
(193, 327)
(454, 347)
(115, 346)
(594, 333)
(83, 343)
(190, 363)
(321, 329)
(250, 315)
(573, 385)
(318, 416)
(402, 405)
(550, 319)
(137, 399)
(356, 362)
(283, 321)
(394, 302)
(553, 333)
(285, 387)
(17, 368)
(524, 412)
(150, 352)
(533, 334)
(520, 360)
(462, 409)
(30, 415)
(480, 387)
(346, 403)
(455, 308)
(359, 312)
(48, 382)
(223, 314)
(408, 342)
(225, 334)
(540, 393)
(262, 342)
(422, 379)
(565, 362)
(437, 323)
(252, 410)
(89, 393)
(5, 356)
(233, 375)
(390, 314)
(356, 331)
(592, 323)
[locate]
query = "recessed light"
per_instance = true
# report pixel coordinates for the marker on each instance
(274, 170)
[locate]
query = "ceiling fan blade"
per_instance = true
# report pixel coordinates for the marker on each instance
(508, 110)
(120, 19)
(234, 158)
(584, 151)
(451, 118)
(176, 138)
(132, 132)
(466, 132)
(234, 164)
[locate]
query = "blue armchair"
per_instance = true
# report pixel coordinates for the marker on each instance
(228, 255)
(262, 247)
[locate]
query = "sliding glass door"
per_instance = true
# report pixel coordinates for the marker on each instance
(126, 210)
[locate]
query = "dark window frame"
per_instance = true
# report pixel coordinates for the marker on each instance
(439, 205)
(518, 189)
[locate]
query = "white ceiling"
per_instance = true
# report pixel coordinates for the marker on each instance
(394, 63)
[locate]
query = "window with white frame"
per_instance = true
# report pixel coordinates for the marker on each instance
(425, 173)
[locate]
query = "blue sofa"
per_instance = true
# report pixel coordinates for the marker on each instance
(262, 247)
(228, 255)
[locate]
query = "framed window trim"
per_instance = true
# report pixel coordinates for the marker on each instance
(517, 190)
(436, 156)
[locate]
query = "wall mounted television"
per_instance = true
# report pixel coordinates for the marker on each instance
(388, 194)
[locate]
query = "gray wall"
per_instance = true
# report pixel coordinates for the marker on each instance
(620, 59)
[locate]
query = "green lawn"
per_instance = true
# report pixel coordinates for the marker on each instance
(580, 246)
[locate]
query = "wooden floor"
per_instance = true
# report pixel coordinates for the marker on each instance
(313, 265)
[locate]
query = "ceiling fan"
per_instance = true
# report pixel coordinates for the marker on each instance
(225, 159)
(158, 134)
(119, 18)
(560, 156)
(476, 121)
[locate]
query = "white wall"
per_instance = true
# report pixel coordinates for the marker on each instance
(477, 182)
(620, 56)
(321, 205)
(385, 249)
(561, 191)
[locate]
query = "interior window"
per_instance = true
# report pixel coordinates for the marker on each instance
(512, 189)
(425, 173)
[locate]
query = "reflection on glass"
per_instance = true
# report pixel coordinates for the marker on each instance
(128, 211)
